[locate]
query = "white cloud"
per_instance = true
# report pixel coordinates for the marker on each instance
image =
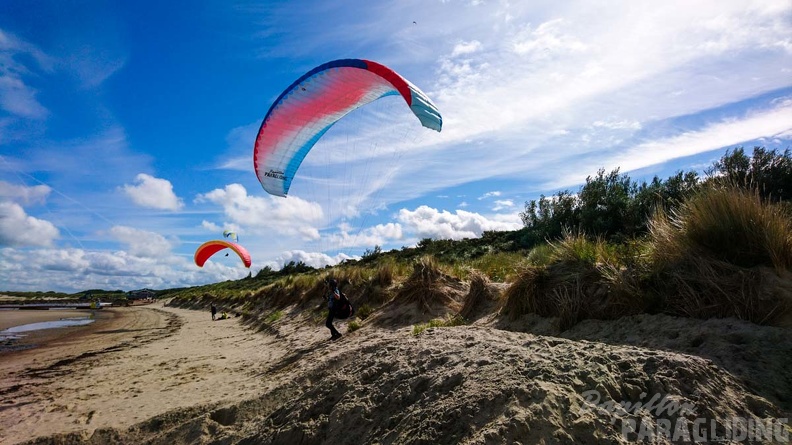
(426, 222)
(23, 194)
(152, 192)
(290, 216)
(211, 227)
(17, 97)
(502, 204)
(466, 48)
(73, 270)
(19, 229)
(730, 132)
(313, 259)
(378, 235)
(142, 243)
(489, 195)
(547, 40)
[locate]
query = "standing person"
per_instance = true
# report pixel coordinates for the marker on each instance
(214, 311)
(333, 298)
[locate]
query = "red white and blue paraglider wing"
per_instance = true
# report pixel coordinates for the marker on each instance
(317, 100)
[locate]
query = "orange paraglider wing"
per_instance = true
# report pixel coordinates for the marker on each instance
(210, 248)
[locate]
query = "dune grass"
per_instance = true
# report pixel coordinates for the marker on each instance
(497, 266)
(478, 294)
(725, 224)
(714, 256)
(424, 286)
(724, 252)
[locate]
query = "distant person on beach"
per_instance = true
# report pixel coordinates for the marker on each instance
(333, 299)
(214, 311)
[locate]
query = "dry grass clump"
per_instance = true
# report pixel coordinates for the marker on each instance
(426, 286)
(721, 255)
(522, 296)
(586, 279)
(725, 224)
(705, 288)
(478, 295)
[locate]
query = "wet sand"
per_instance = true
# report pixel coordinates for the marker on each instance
(39, 338)
(12, 318)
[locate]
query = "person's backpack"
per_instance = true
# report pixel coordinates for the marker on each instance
(343, 308)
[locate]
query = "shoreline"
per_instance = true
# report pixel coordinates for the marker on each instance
(44, 337)
(139, 363)
(10, 318)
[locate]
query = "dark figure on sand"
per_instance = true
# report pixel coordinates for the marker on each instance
(214, 311)
(333, 298)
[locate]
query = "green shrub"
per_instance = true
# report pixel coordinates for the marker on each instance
(273, 317)
(364, 311)
(353, 326)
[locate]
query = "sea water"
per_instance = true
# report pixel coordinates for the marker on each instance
(17, 332)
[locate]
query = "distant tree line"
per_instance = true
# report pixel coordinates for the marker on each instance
(613, 206)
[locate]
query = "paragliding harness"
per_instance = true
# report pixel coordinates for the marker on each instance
(343, 307)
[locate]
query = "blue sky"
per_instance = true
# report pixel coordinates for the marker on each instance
(126, 128)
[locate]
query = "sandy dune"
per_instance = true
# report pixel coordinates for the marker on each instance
(172, 376)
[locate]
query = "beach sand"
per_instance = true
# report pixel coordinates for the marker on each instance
(131, 364)
(163, 375)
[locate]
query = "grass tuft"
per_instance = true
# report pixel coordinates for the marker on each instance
(448, 321)
(425, 286)
(478, 294)
(713, 257)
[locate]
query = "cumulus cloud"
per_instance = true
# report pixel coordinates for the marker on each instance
(426, 222)
(369, 237)
(290, 216)
(210, 226)
(23, 194)
(72, 270)
(152, 192)
(313, 259)
(19, 229)
(142, 243)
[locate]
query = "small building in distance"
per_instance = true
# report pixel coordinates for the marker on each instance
(142, 294)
